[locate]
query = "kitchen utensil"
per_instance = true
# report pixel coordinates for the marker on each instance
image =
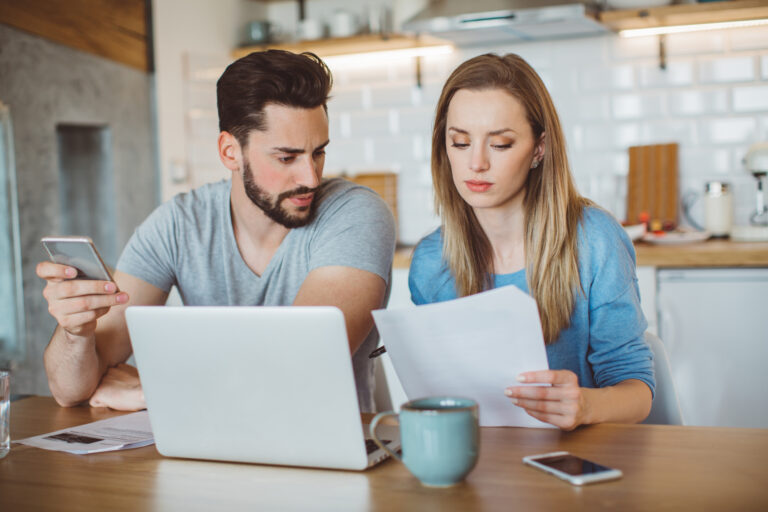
(343, 24)
(756, 162)
(652, 184)
(675, 237)
(260, 32)
(310, 28)
(718, 209)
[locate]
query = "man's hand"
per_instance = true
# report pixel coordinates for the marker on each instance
(77, 304)
(119, 389)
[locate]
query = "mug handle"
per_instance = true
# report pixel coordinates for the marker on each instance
(372, 428)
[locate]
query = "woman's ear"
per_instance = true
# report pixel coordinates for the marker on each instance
(230, 152)
(541, 145)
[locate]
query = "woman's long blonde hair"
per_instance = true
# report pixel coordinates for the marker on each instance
(553, 206)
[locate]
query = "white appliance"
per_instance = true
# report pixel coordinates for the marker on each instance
(714, 325)
(496, 21)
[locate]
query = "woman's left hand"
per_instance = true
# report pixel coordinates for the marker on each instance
(562, 404)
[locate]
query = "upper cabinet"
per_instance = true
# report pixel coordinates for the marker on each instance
(685, 15)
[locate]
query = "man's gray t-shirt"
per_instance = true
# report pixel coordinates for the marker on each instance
(189, 242)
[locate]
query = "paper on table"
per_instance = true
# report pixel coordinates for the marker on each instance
(118, 433)
(470, 347)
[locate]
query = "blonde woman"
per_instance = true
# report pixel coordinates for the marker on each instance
(511, 215)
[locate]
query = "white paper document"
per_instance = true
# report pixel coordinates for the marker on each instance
(471, 347)
(118, 433)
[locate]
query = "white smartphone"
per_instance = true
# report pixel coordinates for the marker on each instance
(571, 468)
(78, 252)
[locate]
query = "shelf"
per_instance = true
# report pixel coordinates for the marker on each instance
(334, 47)
(684, 14)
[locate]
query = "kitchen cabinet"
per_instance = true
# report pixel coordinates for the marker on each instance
(684, 14)
(714, 325)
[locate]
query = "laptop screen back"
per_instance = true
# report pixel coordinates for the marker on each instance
(271, 385)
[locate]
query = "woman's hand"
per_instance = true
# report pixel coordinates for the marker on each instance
(563, 404)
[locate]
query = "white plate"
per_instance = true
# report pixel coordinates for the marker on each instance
(676, 237)
(635, 232)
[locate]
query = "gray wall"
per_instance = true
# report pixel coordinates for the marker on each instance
(46, 84)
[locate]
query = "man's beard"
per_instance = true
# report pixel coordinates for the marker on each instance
(274, 210)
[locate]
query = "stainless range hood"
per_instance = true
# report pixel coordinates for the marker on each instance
(470, 22)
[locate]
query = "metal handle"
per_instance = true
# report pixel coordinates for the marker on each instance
(372, 428)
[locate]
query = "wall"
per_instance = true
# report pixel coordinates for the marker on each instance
(46, 84)
(610, 92)
(190, 34)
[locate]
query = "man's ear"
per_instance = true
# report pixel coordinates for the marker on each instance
(230, 153)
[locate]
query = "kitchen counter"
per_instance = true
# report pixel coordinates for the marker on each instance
(712, 253)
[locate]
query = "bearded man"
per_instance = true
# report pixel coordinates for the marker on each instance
(275, 234)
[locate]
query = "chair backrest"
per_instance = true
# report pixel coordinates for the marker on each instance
(666, 407)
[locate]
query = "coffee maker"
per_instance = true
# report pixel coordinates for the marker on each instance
(756, 162)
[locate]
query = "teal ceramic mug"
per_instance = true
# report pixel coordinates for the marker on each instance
(440, 438)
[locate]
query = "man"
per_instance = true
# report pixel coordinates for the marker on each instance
(273, 235)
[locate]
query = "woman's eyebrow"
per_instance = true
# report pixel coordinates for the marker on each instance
(494, 132)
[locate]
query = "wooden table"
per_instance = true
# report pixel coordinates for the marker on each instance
(665, 468)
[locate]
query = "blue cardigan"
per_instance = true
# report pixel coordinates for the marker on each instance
(604, 342)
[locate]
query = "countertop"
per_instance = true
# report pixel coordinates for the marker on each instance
(711, 253)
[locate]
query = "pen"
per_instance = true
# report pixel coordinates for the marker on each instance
(377, 352)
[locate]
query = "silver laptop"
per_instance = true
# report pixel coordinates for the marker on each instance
(270, 385)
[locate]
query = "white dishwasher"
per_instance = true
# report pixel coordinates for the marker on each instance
(714, 325)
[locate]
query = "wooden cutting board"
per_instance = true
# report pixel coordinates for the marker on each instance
(652, 184)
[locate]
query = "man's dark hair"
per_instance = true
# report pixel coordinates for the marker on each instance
(273, 76)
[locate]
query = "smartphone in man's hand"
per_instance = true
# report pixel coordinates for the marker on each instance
(78, 252)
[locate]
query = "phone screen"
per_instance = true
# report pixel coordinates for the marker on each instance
(572, 465)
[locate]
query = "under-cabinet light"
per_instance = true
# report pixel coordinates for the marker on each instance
(678, 29)
(382, 55)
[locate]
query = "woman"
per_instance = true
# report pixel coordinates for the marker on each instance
(511, 215)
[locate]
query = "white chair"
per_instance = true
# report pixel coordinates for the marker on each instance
(666, 408)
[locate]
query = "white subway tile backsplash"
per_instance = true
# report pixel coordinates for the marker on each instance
(677, 73)
(369, 123)
(417, 120)
(637, 106)
(696, 43)
(392, 96)
(634, 47)
(751, 38)
(609, 91)
(363, 73)
(345, 155)
(607, 79)
(704, 161)
(727, 69)
(729, 131)
(395, 150)
(609, 136)
(684, 132)
(692, 102)
(750, 99)
(346, 98)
